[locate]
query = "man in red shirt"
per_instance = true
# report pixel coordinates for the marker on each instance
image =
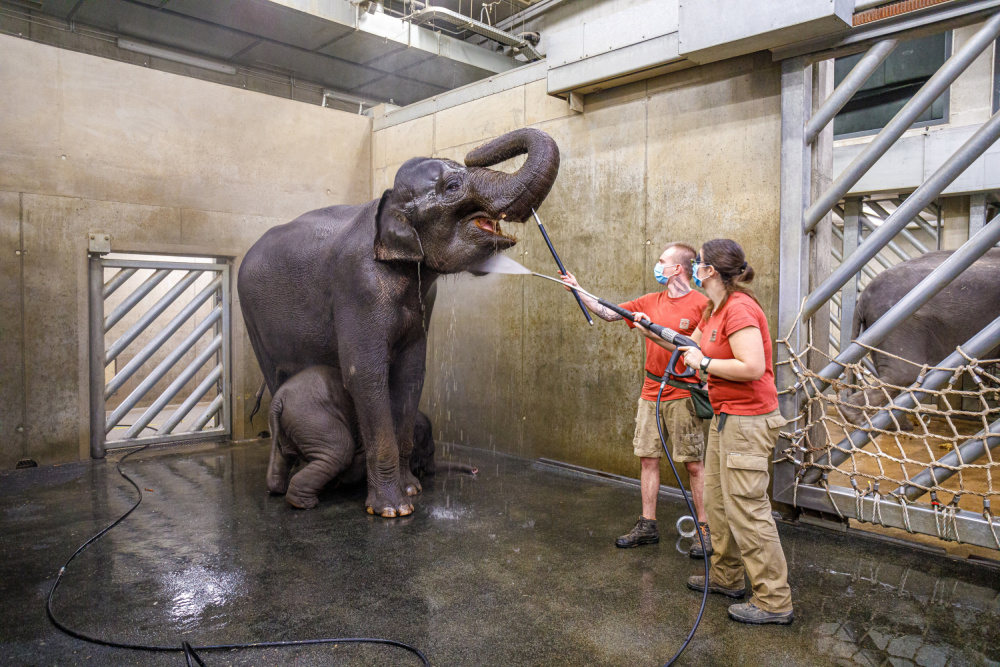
(679, 308)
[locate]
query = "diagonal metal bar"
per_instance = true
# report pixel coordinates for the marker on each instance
(843, 93)
(970, 151)
(117, 281)
(890, 244)
(182, 379)
(135, 297)
(157, 342)
(147, 318)
(902, 121)
(975, 347)
(969, 451)
(209, 412)
(164, 366)
(922, 222)
(904, 232)
(879, 257)
(923, 292)
(191, 401)
(839, 256)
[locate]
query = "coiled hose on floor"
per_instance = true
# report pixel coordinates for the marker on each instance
(701, 537)
(190, 652)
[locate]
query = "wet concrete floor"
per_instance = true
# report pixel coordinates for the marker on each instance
(514, 567)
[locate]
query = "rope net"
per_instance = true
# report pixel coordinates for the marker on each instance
(896, 445)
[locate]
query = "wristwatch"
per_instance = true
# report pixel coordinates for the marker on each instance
(704, 364)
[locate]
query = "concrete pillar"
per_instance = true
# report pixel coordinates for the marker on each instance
(954, 222)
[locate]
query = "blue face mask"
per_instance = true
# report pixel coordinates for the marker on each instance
(658, 274)
(694, 278)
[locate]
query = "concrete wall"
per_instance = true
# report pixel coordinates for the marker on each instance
(163, 163)
(688, 156)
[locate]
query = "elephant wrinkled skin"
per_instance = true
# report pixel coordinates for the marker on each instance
(953, 316)
(311, 421)
(345, 287)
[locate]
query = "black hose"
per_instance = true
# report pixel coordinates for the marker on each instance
(694, 513)
(185, 648)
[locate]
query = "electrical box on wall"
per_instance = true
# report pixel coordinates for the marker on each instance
(712, 30)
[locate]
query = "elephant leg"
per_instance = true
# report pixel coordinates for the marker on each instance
(280, 466)
(868, 402)
(329, 454)
(365, 364)
(406, 383)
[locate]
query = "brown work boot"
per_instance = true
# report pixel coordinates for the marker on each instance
(697, 583)
(748, 612)
(695, 551)
(644, 532)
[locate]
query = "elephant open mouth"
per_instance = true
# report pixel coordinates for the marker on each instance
(493, 227)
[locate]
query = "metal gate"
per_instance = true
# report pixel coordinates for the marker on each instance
(169, 312)
(811, 360)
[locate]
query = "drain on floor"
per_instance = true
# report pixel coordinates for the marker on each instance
(25, 463)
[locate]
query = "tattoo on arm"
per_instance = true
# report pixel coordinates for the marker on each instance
(607, 314)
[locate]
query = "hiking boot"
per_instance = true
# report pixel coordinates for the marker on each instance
(748, 612)
(644, 532)
(697, 583)
(695, 551)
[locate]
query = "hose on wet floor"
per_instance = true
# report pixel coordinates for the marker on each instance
(190, 652)
(701, 537)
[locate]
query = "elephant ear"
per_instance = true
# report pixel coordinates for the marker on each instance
(395, 238)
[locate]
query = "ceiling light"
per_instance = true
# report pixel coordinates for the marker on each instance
(183, 58)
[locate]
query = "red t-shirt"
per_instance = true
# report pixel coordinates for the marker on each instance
(738, 398)
(681, 314)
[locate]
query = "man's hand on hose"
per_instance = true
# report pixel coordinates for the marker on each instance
(604, 313)
(649, 334)
(569, 279)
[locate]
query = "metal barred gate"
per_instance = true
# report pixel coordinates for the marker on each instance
(824, 462)
(159, 351)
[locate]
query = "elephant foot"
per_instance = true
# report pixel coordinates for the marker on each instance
(388, 504)
(301, 502)
(409, 483)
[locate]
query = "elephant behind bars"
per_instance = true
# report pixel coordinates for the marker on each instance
(951, 317)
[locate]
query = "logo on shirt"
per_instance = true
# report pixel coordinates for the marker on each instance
(714, 332)
(685, 323)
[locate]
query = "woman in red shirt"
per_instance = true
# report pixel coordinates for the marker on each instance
(736, 356)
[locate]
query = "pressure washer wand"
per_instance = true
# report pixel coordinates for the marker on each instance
(559, 263)
(666, 333)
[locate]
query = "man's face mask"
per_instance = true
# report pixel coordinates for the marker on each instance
(658, 273)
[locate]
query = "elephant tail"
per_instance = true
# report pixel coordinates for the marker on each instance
(274, 420)
(256, 406)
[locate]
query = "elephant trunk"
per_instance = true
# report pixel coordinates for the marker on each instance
(516, 194)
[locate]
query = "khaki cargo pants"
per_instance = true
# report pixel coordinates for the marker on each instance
(739, 512)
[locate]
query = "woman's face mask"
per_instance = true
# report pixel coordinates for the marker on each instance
(695, 266)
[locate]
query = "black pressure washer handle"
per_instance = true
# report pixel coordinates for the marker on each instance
(562, 269)
(665, 333)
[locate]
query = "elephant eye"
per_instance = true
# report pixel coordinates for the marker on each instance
(451, 186)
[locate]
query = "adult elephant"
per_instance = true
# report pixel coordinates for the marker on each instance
(953, 316)
(345, 286)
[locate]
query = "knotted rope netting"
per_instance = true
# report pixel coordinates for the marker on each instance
(897, 450)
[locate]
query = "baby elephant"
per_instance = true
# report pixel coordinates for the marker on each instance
(312, 420)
